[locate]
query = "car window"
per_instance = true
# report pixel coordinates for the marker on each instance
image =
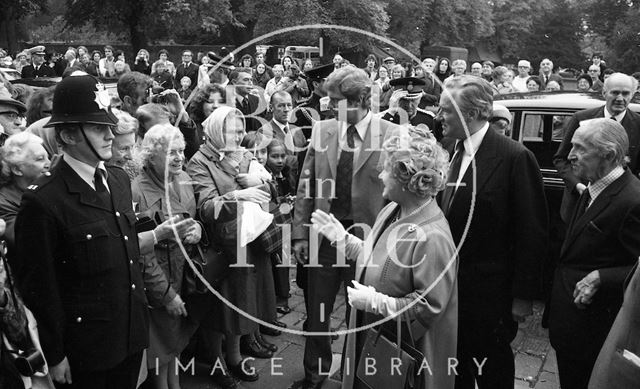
(543, 126)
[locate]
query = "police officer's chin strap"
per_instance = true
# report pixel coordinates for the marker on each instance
(93, 150)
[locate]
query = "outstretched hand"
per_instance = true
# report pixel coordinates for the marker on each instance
(328, 225)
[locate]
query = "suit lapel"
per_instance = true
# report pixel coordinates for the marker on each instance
(370, 143)
(486, 161)
(599, 205)
(87, 194)
(330, 142)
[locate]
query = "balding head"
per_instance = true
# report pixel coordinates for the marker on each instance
(618, 90)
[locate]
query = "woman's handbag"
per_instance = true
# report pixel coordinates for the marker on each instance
(29, 362)
(211, 263)
(380, 349)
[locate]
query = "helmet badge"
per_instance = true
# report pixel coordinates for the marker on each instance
(102, 97)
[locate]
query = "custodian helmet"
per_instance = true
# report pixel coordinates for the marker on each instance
(81, 98)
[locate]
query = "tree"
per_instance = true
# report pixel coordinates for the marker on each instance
(11, 12)
(625, 42)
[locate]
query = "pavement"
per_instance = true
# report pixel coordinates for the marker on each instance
(535, 360)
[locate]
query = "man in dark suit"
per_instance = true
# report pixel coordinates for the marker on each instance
(72, 63)
(601, 246)
(546, 74)
(38, 68)
(279, 128)
(618, 91)
(403, 104)
(186, 68)
(503, 247)
(618, 364)
(339, 175)
(311, 111)
(252, 106)
(82, 278)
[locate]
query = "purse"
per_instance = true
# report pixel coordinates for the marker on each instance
(30, 361)
(211, 263)
(379, 350)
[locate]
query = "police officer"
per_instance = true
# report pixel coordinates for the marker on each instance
(403, 104)
(77, 250)
(317, 106)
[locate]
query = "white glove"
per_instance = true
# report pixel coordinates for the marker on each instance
(366, 298)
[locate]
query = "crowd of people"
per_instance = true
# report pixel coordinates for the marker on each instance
(110, 204)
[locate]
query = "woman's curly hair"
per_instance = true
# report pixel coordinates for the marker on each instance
(417, 161)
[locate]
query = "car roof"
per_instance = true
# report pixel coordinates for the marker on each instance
(562, 100)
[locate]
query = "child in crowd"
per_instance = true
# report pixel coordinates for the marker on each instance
(185, 88)
(285, 185)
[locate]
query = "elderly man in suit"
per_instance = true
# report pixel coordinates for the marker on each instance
(502, 245)
(618, 364)
(339, 175)
(186, 69)
(601, 246)
(82, 280)
(618, 91)
(279, 128)
(546, 74)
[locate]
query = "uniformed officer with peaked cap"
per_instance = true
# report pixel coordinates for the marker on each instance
(76, 261)
(403, 105)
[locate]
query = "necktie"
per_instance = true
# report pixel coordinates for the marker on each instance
(245, 106)
(341, 205)
(454, 172)
(98, 181)
(614, 118)
(583, 204)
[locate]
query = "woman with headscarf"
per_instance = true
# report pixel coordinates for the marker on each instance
(222, 183)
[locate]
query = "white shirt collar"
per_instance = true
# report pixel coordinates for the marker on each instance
(280, 125)
(618, 117)
(361, 127)
(472, 143)
(84, 170)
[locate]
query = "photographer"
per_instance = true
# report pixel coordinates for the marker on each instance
(141, 63)
(295, 84)
(180, 118)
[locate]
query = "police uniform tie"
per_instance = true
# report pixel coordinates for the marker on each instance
(102, 191)
(454, 172)
(341, 205)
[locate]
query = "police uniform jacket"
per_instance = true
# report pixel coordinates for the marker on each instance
(77, 268)
(44, 70)
(421, 117)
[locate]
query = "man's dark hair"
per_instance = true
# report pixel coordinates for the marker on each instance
(129, 83)
(235, 72)
(109, 47)
(608, 71)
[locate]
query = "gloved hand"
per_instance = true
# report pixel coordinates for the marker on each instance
(366, 298)
(328, 225)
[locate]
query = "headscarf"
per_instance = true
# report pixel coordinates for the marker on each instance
(213, 128)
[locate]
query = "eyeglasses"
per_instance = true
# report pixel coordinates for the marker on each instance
(12, 115)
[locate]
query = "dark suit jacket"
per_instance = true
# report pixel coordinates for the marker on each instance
(612, 370)
(77, 65)
(504, 248)
(252, 114)
(191, 71)
(552, 77)
(605, 238)
(44, 71)
(631, 124)
(77, 264)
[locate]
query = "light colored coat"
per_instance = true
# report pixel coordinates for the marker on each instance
(422, 277)
(320, 166)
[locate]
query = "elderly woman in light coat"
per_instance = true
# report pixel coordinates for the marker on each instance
(407, 265)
